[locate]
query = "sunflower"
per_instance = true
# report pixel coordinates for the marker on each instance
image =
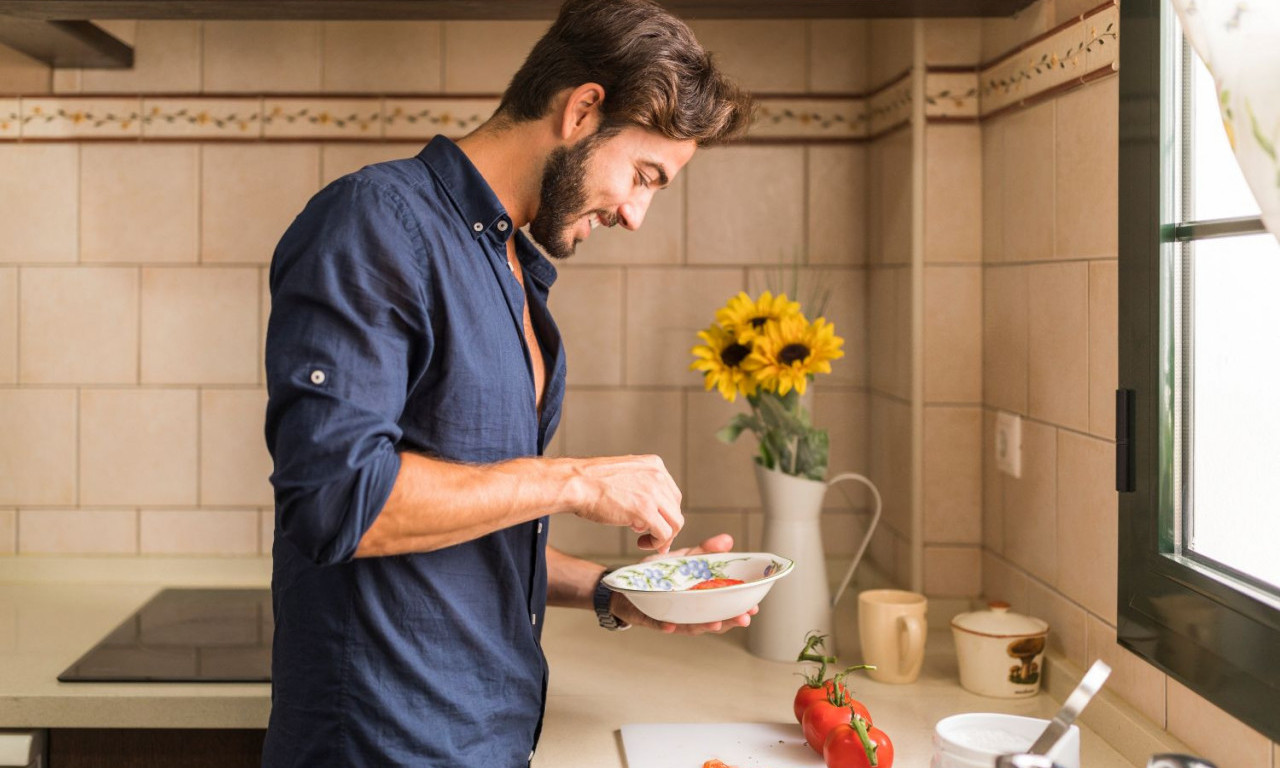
(721, 358)
(790, 350)
(748, 318)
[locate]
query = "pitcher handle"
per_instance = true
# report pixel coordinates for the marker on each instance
(871, 529)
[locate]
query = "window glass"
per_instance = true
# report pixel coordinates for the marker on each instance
(1235, 404)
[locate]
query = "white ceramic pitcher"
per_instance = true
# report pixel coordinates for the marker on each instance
(792, 528)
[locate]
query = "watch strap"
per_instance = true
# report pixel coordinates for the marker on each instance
(601, 600)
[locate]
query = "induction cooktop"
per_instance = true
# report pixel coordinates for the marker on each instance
(186, 636)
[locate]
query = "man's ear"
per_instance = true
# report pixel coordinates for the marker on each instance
(580, 116)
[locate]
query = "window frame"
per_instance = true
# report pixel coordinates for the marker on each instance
(1218, 638)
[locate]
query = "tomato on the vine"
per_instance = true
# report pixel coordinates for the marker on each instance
(857, 745)
(836, 709)
(823, 717)
(819, 704)
(808, 695)
(815, 684)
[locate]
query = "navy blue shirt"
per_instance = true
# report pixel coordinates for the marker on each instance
(397, 325)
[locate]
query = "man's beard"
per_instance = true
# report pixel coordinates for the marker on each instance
(564, 196)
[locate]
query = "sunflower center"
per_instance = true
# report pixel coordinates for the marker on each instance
(734, 354)
(793, 353)
(759, 322)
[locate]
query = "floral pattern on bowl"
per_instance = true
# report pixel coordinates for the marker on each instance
(661, 588)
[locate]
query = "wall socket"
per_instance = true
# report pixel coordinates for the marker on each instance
(1009, 443)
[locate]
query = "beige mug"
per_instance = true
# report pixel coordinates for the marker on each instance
(891, 625)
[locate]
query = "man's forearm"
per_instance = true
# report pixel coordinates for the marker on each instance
(571, 581)
(436, 504)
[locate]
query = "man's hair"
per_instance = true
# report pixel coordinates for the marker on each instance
(654, 73)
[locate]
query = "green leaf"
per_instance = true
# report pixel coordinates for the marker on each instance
(813, 455)
(737, 425)
(778, 418)
(1263, 141)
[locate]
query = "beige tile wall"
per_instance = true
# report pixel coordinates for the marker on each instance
(950, 257)
(1049, 324)
(133, 285)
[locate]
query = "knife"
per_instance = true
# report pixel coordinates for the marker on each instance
(1071, 708)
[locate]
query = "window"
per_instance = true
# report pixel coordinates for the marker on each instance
(1199, 440)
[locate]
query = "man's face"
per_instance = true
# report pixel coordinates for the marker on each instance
(603, 179)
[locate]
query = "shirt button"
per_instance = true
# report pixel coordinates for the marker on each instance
(531, 756)
(534, 616)
(317, 377)
(539, 526)
(502, 226)
(477, 226)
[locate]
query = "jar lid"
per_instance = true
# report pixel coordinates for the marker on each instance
(998, 621)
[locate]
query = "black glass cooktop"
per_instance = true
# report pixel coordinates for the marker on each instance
(186, 636)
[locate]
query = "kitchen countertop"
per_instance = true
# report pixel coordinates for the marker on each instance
(54, 609)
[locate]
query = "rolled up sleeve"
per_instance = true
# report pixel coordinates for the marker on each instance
(348, 324)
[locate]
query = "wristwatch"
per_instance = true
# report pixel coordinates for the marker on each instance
(600, 601)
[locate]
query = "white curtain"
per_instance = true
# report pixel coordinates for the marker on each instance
(1239, 42)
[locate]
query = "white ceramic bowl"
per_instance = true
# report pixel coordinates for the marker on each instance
(976, 739)
(661, 588)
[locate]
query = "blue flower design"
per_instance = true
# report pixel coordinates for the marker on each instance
(665, 585)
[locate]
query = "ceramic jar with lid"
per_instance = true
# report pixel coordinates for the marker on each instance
(1001, 653)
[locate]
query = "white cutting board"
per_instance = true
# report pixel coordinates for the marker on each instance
(689, 745)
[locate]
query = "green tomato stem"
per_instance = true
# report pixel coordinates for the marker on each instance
(814, 641)
(861, 728)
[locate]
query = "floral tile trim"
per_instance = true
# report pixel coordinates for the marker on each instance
(1071, 53)
(811, 118)
(891, 105)
(10, 117)
(80, 118)
(424, 118)
(252, 118)
(202, 118)
(1104, 30)
(951, 94)
(329, 118)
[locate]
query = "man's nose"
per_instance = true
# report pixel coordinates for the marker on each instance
(631, 213)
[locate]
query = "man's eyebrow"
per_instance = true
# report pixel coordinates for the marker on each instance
(663, 179)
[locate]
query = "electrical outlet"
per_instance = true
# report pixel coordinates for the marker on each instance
(1009, 443)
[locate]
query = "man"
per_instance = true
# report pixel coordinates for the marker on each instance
(415, 378)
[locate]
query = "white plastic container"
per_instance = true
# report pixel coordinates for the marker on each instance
(1000, 653)
(975, 740)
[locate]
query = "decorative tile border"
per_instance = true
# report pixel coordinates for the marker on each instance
(810, 119)
(303, 118)
(75, 118)
(371, 119)
(1102, 38)
(951, 94)
(1071, 53)
(891, 105)
(424, 118)
(10, 118)
(201, 118)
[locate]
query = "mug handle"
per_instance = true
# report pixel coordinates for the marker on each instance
(913, 647)
(875, 520)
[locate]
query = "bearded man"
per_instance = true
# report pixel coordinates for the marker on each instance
(415, 377)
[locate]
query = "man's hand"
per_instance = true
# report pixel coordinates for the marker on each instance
(623, 608)
(633, 491)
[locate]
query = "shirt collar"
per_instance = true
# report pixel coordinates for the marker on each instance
(478, 207)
